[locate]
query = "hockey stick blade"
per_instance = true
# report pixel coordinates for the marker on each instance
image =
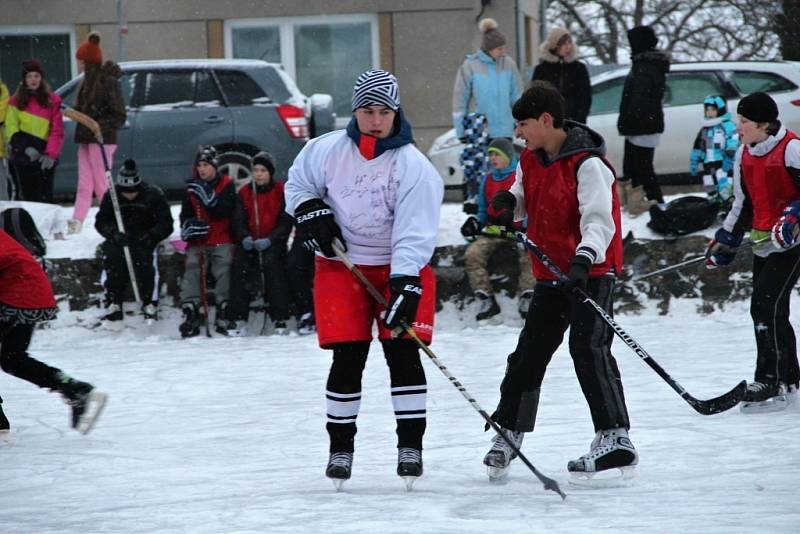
(719, 404)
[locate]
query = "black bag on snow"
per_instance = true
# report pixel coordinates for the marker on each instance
(683, 216)
(18, 223)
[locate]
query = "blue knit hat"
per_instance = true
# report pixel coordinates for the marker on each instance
(376, 88)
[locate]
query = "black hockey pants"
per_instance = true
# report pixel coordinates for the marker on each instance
(116, 271)
(249, 278)
(15, 360)
(300, 273)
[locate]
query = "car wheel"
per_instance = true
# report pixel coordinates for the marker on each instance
(237, 166)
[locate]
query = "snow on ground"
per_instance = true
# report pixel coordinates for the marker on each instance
(228, 435)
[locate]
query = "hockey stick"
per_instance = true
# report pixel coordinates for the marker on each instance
(92, 125)
(705, 407)
(261, 274)
(691, 261)
(549, 483)
(203, 283)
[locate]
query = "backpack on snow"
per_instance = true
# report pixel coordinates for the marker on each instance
(683, 216)
(18, 223)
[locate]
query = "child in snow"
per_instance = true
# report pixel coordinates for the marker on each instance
(370, 188)
(259, 262)
(766, 187)
(487, 237)
(565, 186)
(715, 148)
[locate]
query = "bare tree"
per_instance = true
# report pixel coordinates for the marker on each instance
(789, 29)
(692, 30)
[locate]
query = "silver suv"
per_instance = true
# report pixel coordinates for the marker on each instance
(174, 106)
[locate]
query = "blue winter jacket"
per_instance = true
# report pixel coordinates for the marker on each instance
(716, 143)
(492, 86)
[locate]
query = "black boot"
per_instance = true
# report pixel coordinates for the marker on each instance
(221, 322)
(190, 326)
(5, 426)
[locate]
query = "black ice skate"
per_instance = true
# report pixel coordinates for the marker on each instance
(611, 454)
(489, 310)
(305, 324)
(5, 426)
(498, 459)
(767, 398)
(340, 464)
(86, 402)
(280, 328)
(192, 320)
(409, 465)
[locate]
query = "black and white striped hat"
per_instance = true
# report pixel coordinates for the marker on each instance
(376, 88)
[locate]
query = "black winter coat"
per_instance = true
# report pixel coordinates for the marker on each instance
(147, 218)
(572, 81)
(641, 110)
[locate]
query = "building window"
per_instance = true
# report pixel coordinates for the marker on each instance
(52, 46)
(322, 54)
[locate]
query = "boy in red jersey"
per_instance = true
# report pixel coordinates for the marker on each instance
(565, 187)
(766, 188)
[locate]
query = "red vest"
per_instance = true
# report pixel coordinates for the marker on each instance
(551, 200)
(23, 283)
(770, 186)
(219, 230)
(270, 206)
(491, 187)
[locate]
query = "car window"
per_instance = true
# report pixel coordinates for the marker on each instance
(685, 88)
(606, 96)
(168, 88)
(239, 88)
(750, 82)
(206, 91)
(277, 84)
(69, 95)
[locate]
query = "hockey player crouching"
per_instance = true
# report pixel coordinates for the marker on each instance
(369, 187)
(566, 188)
(147, 221)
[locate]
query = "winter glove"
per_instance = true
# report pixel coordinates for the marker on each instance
(120, 239)
(501, 209)
(47, 162)
(578, 272)
(32, 153)
(262, 244)
(470, 208)
(315, 220)
(721, 250)
(471, 227)
(247, 243)
(204, 192)
(403, 301)
(786, 230)
(194, 229)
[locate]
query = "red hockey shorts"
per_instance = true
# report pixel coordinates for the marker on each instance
(344, 310)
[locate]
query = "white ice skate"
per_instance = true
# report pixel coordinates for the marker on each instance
(610, 462)
(778, 402)
(498, 459)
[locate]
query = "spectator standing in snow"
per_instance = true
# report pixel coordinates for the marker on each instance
(4, 182)
(565, 187)
(487, 236)
(147, 220)
(486, 86)
(369, 187)
(766, 186)
(99, 97)
(560, 66)
(715, 147)
(35, 134)
(641, 115)
(259, 261)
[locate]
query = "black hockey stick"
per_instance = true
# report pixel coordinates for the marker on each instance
(705, 407)
(549, 483)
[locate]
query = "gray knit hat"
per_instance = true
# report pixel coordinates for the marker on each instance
(492, 37)
(376, 88)
(128, 177)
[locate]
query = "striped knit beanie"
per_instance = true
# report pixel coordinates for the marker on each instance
(376, 88)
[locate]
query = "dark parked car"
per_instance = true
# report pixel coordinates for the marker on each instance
(174, 106)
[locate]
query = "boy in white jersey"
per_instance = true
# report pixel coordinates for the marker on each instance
(371, 189)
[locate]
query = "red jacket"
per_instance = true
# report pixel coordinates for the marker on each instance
(23, 283)
(270, 207)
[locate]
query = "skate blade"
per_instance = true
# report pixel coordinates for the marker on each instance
(149, 322)
(498, 475)
(94, 407)
(338, 483)
(616, 477)
(409, 482)
(775, 404)
(494, 320)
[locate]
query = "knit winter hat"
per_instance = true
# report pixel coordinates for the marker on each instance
(758, 107)
(31, 65)
(90, 52)
(717, 101)
(207, 154)
(128, 177)
(265, 159)
(492, 37)
(502, 146)
(376, 88)
(642, 39)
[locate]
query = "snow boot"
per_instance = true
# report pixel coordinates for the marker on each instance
(524, 305)
(5, 426)
(240, 329)
(221, 322)
(86, 402)
(192, 319)
(113, 312)
(409, 465)
(610, 450)
(488, 307)
(305, 324)
(498, 459)
(340, 465)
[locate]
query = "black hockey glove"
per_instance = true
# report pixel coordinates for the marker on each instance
(120, 239)
(501, 209)
(315, 220)
(471, 227)
(203, 191)
(402, 308)
(194, 229)
(578, 272)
